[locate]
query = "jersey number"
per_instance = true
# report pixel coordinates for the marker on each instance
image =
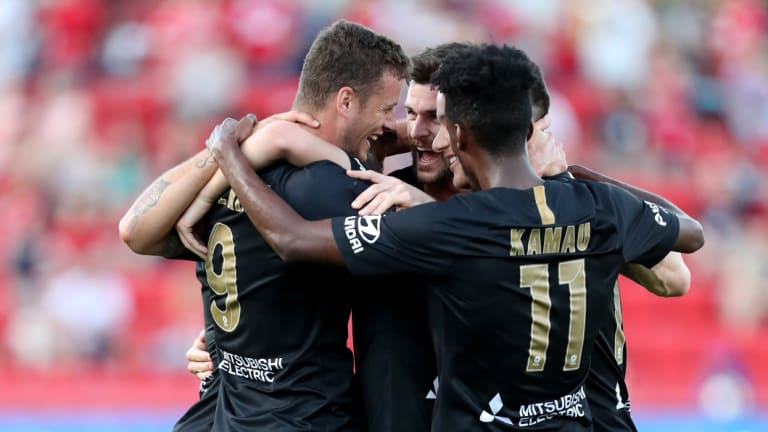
(223, 282)
(536, 278)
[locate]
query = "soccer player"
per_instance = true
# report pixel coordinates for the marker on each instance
(281, 344)
(513, 347)
(605, 386)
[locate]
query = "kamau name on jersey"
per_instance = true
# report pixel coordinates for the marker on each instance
(549, 240)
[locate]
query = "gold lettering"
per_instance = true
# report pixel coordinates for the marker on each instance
(584, 234)
(552, 239)
(618, 339)
(534, 242)
(516, 242)
(231, 200)
(569, 241)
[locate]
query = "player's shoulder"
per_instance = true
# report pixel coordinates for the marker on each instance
(321, 189)
(582, 189)
(314, 176)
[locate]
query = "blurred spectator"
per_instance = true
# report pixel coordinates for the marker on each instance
(614, 40)
(18, 41)
(88, 303)
(744, 268)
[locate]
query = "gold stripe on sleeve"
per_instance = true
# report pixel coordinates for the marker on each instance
(547, 217)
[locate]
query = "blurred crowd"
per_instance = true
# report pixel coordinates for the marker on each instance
(99, 97)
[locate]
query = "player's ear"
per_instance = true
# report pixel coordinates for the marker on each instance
(345, 100)
(530, 132)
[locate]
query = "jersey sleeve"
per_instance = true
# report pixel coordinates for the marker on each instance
(322, 190)
(412, 240)
(648, 231)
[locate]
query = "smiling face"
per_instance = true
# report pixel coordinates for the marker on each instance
(366, 120)
(420, 106)
(445, 142)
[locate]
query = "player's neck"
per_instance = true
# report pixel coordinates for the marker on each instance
(328, 129)
(513, 172)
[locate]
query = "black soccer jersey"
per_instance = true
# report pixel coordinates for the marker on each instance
(606, 389)
(282, 355)
(199, 416)
(517, 292)
(394, 360)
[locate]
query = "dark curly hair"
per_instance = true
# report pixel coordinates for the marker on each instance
(487, 91)
(425, 63)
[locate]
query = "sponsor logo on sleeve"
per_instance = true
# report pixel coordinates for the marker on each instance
(366, 228)
(657, 213)
(369, 228)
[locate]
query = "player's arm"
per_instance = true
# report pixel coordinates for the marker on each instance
(669, 278)
(391, 142)
(292, 237)
(279, 140)
(147, 226)
(401, 142)
(691, 234)
(545, 152)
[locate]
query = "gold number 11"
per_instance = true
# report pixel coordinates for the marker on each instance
(536, 278)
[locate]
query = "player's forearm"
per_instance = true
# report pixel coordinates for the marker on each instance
(582, 172)
(403, 142)
(691, 235)
(148, 226)
(669, 278)
(292, 142)
(292, 237)
(392, 142)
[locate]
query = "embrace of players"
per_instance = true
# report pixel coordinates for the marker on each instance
(482, 283)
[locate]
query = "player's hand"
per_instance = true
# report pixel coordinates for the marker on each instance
(385, 192)
(199, 361)
(185, 226)
(230, 132)
(545, 151)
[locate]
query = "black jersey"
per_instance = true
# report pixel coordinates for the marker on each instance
(199, 416)
(394, 360)
(516, 294)
(606, 386)
(281, 342)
